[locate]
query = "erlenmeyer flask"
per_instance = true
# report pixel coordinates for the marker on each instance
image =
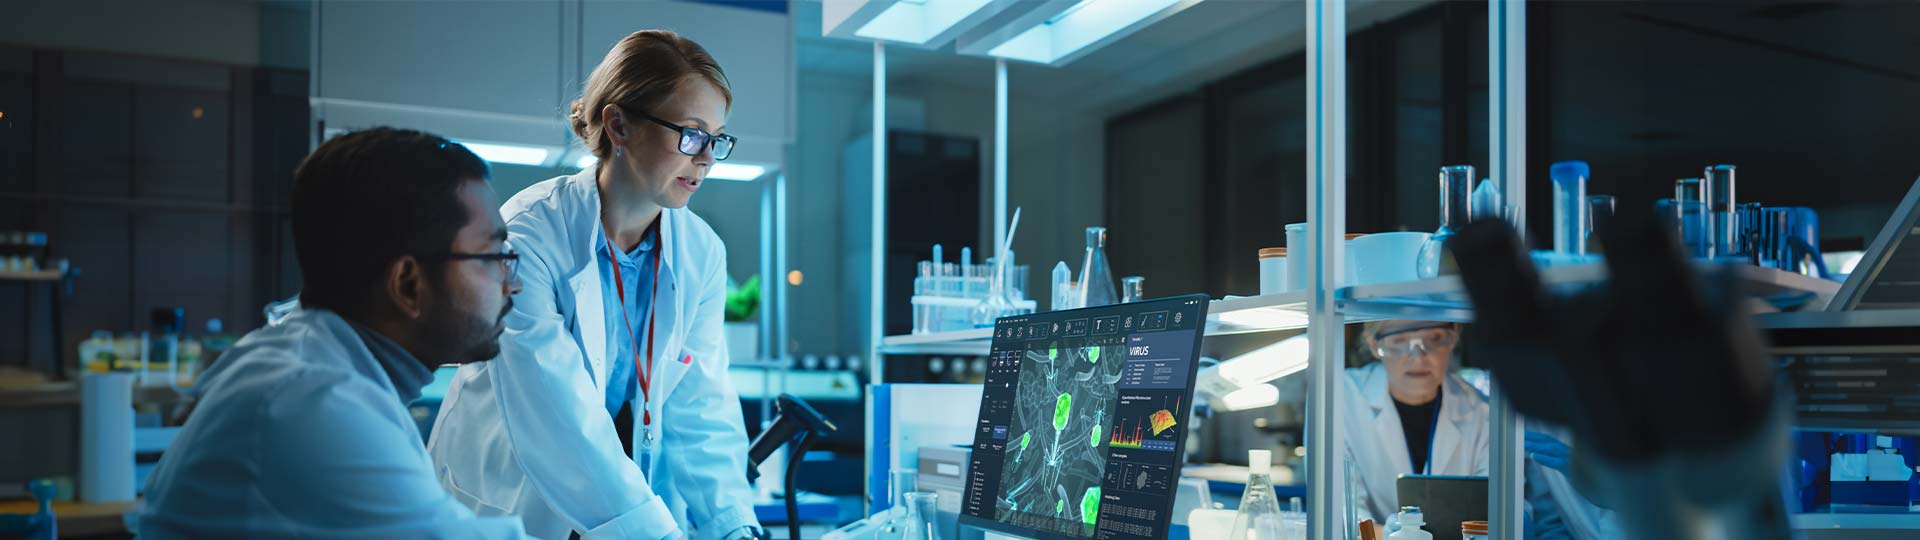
(918, 523)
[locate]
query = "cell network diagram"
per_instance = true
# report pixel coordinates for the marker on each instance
(1056, 455)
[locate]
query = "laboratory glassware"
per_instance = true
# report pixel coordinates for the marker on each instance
(1096, 276)
(1455, 209)
(1723, 221)
(1259, 517)
(1569, 206)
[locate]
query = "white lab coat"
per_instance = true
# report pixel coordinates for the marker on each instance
(302, 431)
(528, 434)
(1377, 447)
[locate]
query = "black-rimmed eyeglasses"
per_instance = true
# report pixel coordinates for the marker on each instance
(508, 260)
(694, 140)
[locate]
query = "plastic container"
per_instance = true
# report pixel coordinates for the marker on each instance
(1273, 270)
(1569, 206)
(1410, 521)
(1296, 257)
(1473, 530)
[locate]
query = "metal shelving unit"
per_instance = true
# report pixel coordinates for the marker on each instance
(1443, 299)
(1232, 315)
(1325, 307)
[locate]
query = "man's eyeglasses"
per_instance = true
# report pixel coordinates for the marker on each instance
(693, 140)
(508, 260)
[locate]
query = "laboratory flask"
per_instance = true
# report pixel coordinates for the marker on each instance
(1259, 517)
(1455, 181)
(1097, 287)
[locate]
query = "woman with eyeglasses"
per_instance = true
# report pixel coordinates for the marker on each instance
(1412, 415)
(609, 413)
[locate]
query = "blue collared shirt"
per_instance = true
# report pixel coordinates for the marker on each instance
(636, 270)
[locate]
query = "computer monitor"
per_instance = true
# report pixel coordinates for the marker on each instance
(1082, 425)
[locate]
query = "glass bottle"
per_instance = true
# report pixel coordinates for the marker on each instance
(918, 523)
(1455, 209)
(1096, 276)
(1259, 516)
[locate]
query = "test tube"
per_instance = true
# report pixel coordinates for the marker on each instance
(1569, 206)
(1723, 222)
(1690, 204)
(1599, 217)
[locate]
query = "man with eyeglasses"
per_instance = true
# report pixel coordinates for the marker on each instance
(1413, 415)
(302, 429)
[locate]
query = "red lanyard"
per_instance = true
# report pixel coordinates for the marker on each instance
(641, 371)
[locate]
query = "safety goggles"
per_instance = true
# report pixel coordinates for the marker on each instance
(694, 140)
(1413, 342)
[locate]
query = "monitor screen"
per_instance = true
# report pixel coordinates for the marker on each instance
(1082, 424)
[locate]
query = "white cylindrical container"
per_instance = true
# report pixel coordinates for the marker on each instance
(1273, 270)
(106, 437)
(1296, 277)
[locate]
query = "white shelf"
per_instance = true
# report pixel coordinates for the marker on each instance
(1444, 299)
(975, 342)
(41, 275)
(1233, 315)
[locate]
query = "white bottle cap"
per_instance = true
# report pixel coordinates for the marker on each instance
(1260, 461)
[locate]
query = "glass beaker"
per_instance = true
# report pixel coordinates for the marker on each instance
(918, 524)
(1455, 180)
(1722, 209)
(1599, 216)
(1132, 289)
(1690, 208)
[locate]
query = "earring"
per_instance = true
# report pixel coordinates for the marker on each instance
(616, 151)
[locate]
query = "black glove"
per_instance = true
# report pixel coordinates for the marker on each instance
(1655, 361)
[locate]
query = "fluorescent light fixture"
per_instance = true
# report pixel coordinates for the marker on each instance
(1240, 383)
(1062, 31)
(1252, 397)
(921, 23)
(1287, 357)
(508, 153)
(1262, 319)
(740, 172)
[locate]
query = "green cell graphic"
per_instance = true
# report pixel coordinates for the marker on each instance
(1024, 439)
(1059, 507)
(1053, 353)
(1094, 439)
(1090, 505)
(1093, 355)
(1061, 409)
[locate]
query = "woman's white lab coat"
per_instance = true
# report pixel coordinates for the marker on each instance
(528, 433)
(1377, 446)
